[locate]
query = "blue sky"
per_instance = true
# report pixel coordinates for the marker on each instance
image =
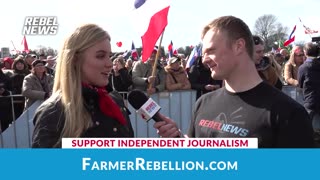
(186, 18)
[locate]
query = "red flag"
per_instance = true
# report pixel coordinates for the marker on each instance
(151, 20)
(25, 44)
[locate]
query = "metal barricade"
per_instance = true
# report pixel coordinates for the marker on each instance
(177, 105)
(294, 92)
(12, 121)
(19, 133)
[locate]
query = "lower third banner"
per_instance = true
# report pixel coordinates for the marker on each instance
(159, 163)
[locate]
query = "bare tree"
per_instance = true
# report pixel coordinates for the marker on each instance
(50, 51)
(46, 50)
(270, 30)
(300, 43)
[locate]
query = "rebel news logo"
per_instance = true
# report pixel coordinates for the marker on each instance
(40, 25)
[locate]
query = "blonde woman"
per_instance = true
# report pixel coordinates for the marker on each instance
(120, 80)
(292, 66)
(80, 106)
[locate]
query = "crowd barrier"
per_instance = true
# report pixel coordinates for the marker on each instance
(19, 133)
(11, 107)
(294, 92)
(177, 105)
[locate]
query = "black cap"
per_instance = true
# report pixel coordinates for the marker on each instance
(34, 63)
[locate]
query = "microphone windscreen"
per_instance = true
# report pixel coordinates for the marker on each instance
(137, 98)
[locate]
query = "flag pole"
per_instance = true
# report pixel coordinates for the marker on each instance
(156, 60)
(14, 46)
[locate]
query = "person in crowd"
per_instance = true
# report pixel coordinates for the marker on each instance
(29, 58)
(80, 106)
(20, 70)
(7, 63)
(5, 84)
(279, 59)
(292, 65)
(1, 63)
(129, 65)
(163, 61)
(201, 80)
(265, 65)
(120, 80)
(50, 64)
(285, 55)
(142, 75)
(309, 81)
(42, 57)
(5, 101)
(37, 85)
(176, 77)
(183, 61)
(246, 106)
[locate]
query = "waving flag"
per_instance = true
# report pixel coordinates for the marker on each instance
(150, 18)
(291, 37)
(307, 29)
(171, 50)
(170, 47)
(192, 58)
(25, 44)
(134, 53)
(126, 54)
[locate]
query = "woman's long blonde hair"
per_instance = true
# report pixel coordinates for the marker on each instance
(67, 82)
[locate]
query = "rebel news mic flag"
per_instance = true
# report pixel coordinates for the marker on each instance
(145, 106)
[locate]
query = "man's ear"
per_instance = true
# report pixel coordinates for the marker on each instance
(239, 46)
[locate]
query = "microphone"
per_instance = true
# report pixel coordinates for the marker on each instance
(145, 106)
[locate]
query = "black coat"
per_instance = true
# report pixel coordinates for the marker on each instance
(199, 77)
(5, 102)
(5, 83)
(121, 82)
(17, 82)
(309, 81)
(49, 121)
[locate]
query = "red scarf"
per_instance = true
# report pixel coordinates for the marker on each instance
(107, 105)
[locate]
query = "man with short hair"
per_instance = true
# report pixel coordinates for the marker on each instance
(309, 81)
(142, 75)
(246, 106)
(265, 65)
(50, 64)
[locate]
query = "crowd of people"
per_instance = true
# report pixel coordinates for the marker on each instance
(237, 83)
(28, 78)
